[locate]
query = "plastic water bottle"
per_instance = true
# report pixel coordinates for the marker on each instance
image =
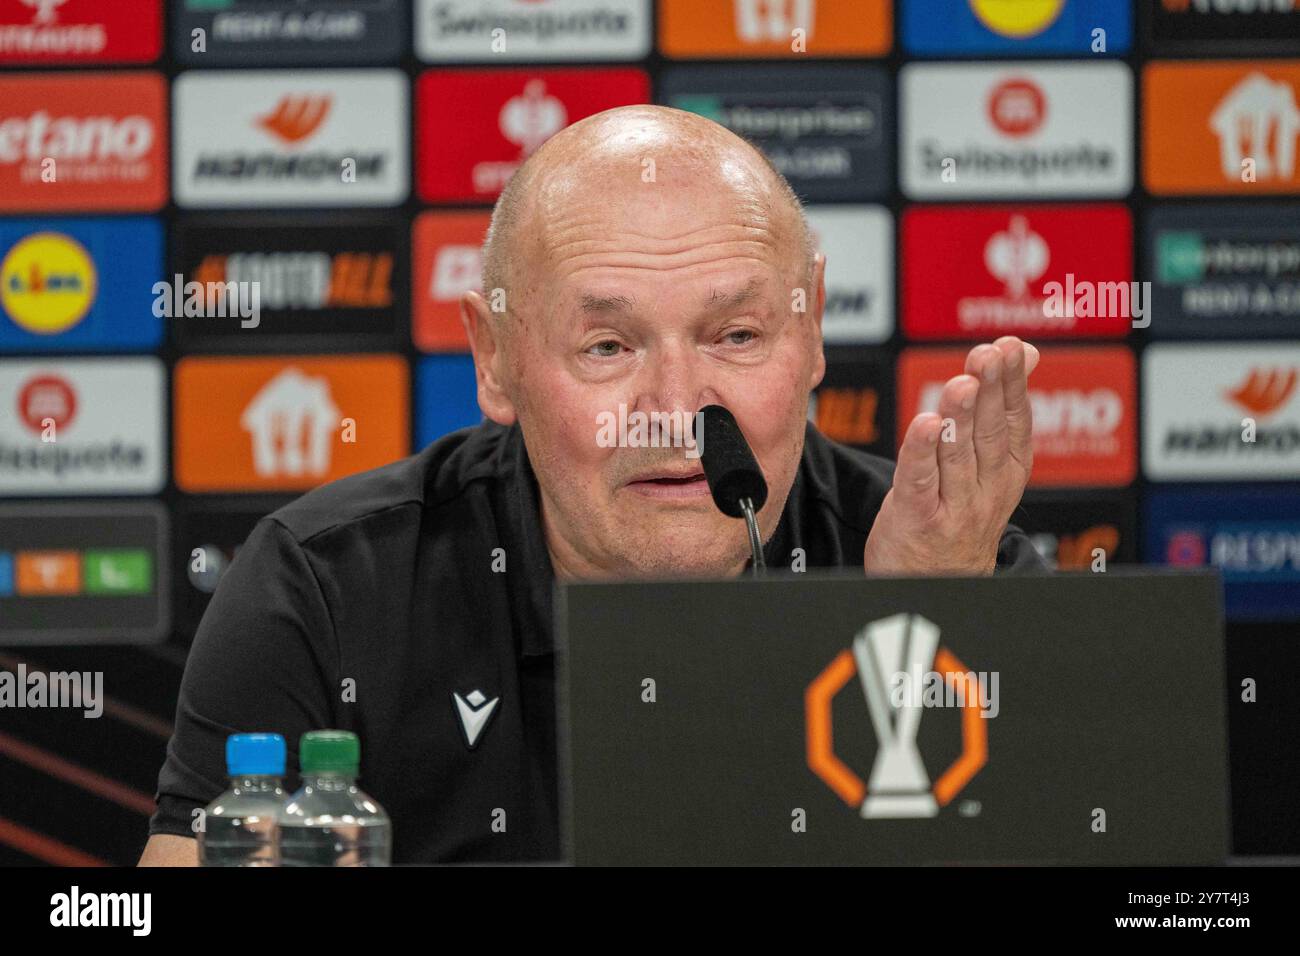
(330, 821)
(240, 827)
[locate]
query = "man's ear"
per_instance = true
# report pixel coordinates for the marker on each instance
(819, 307)
(490, 366)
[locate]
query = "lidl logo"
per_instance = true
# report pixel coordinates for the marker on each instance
(1017, 18)
(47, 283)
(79, 284)
(945, 27)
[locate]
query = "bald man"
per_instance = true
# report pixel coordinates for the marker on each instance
(643, 258)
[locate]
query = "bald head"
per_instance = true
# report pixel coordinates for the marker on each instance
(637, 147)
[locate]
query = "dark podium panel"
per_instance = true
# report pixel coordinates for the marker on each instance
(814, 719)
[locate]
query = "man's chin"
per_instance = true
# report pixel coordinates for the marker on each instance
(698, 550)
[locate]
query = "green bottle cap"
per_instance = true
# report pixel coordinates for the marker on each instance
(329, 751)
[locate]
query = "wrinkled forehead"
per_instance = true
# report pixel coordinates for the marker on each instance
(666, 214)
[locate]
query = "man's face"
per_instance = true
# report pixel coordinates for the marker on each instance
(659, 298)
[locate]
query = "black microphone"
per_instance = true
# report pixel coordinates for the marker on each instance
(735, 480)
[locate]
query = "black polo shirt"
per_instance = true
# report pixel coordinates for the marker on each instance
(370, 603)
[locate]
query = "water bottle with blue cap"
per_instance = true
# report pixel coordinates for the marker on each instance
(240, 827)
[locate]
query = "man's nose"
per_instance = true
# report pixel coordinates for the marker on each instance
(675, 379)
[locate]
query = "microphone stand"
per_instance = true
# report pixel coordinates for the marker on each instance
(755, 539)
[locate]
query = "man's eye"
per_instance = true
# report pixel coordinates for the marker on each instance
(740, 336)
(606, 349)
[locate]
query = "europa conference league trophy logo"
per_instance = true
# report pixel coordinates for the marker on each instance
(898, 785)
(895, 654)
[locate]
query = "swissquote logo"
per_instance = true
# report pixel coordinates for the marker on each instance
(291, 138)
(81, 426)
(1019, 130)
(892, 659)
(448, 30)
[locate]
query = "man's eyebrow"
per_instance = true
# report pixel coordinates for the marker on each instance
(605, 303)
(746, 293)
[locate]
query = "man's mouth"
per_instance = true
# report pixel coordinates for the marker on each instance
(670, 484)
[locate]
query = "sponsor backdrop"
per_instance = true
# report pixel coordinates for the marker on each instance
(1094, 176)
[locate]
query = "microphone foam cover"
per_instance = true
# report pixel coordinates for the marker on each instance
(729, 464)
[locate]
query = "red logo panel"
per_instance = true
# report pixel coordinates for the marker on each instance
(978, 272)
(476, 127)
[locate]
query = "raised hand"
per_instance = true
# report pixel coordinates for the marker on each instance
(951, 499)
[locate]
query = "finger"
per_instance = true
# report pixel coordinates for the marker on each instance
(916, 476)
(992, 441)
(1019, 360)
(957, 468)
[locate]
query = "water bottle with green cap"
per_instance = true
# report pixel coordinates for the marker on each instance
(330, 821)
(240, 826)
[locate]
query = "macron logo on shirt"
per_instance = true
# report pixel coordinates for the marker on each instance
(474, 710)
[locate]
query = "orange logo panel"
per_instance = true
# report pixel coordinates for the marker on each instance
(89, 141)
(48, 572)
(447, 249)
(765, 28)
(287, 423)
(1083, 399)
(1222, 127)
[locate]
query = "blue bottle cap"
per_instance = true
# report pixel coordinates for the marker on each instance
(255, 755)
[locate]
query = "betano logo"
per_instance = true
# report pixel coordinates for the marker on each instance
(47, 283)
(1018, 19)
(296, 117)
(1263, 393)
(87, 141)
(905, 645)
